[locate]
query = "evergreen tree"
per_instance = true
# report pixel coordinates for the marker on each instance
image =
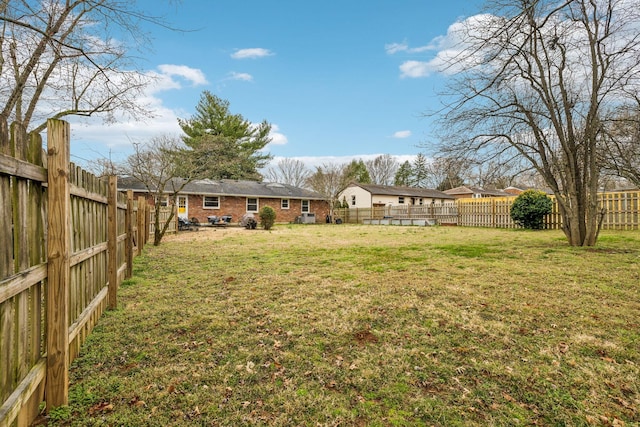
(228, 144)
(357, 171)
(404, 175)
(420, 172)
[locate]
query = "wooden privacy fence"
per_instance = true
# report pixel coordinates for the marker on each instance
(621, 212)
(442, 213)
(67, 240)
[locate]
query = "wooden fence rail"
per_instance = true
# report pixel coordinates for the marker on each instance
(63, 227)
(621, 212)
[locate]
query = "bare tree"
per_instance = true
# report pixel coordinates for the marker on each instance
(445, 172)
(102, 167)
(497, 173)
(329, 180)
(382, 169)
(536, 78)
(164, 167)
(288, 171)
(60, 58)
(621, 155)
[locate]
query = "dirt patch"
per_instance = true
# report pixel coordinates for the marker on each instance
(205, 233)
(365, 336)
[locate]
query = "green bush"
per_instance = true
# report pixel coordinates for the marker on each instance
(530, 208)
(267, 217)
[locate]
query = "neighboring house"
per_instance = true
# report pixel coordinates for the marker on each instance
(372, 196)
(467, 192)
(203, 198)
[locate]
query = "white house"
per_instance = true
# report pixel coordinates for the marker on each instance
(372, 196)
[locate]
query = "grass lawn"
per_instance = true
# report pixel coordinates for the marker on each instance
(368, 326)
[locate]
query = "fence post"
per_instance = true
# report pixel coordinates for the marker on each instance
(147, 221)
(112, 242)
(128, 223)
(493, 213)
(142, 209)
(58, 268)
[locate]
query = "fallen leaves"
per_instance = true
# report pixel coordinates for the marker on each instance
(136, 402)
(100, 408)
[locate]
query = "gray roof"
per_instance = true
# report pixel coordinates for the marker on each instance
(227, 187)
(477, 190)
(387, 190)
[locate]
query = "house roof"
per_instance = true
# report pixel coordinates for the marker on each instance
(388, 190)
(477, 190)
(227, 187)
(523, 188)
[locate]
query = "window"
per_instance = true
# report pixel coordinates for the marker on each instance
(252, 204)
(211, 202)
(401, 200)
(284, 204)
(353, 200)
(163, 201)
(305, 206)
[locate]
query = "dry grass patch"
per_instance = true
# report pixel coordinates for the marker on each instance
(367, 325)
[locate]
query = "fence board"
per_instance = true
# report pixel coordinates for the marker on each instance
(6, 269)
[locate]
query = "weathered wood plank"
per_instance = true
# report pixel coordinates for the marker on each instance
(36, 235)
(30, 385)
(8, 327)
(129, 231)
(87, 253)
(14, 285)
(112, 242)
(7, 337)
(87, 313)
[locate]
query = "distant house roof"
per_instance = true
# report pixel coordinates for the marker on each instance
(388, 190)
(476, 190)
(521, 189)
(227, 187)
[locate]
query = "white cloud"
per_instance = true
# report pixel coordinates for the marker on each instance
(277, 137)
(415, 69)
(393, 48)
(193, 75)
(402, 134)
(245, 77)
(92, 137)
(312, 162)
(251, 53)
(446, 47)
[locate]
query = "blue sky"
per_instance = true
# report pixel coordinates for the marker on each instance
(337, 79)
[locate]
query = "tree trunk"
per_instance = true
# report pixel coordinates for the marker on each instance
(581, 221)
(157, 233)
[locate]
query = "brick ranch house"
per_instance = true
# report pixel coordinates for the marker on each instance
(203, 198)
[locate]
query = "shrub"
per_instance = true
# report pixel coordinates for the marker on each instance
(267, 217)
(529, 209)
